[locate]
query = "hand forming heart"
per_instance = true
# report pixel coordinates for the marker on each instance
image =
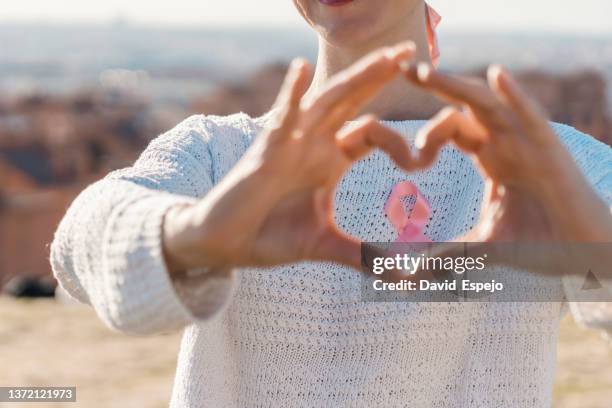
(275, 205)
(290, 173)
(534, 190)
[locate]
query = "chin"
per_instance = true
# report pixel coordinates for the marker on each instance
(347, 33)
(352, 23)
(350, 29)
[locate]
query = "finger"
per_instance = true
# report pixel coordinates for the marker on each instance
(347, 92)
(437, 132)
(358, 141)
(448, 125)
(459, 90)
(504, 84)
(336, 246)
(293, 89)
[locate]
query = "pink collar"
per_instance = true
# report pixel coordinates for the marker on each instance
(433, 20)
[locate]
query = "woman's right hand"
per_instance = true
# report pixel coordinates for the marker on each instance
(276, 205)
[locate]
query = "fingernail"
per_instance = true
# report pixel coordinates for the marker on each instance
(419, 141)
(505, 75)
(389, 52)
(494, 72)
(404, 51)
(405, 46)
(404, 65)
(423, 71)
(297, 63)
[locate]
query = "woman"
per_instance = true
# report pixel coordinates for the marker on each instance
(205, 229)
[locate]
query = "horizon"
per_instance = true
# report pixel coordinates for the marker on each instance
(122, 23)
(585, 18)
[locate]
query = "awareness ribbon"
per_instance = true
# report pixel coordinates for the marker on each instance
(409, 228)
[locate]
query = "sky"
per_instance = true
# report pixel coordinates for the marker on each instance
(573, 16)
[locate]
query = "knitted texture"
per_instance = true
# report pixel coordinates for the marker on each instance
(300, 335)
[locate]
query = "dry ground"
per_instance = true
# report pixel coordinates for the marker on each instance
(48, 343)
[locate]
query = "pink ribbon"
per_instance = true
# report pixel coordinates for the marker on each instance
(409, 227)
(433, 21)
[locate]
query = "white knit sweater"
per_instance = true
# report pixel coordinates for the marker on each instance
(300, 335)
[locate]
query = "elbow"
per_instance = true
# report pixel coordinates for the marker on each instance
(62, 266)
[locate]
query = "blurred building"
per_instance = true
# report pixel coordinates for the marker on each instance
(577, 99)
(50, 149)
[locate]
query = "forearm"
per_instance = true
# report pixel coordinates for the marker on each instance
(586, 216)
(108, 249)
(208, 233)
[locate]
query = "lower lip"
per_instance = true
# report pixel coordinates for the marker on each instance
(335, 3)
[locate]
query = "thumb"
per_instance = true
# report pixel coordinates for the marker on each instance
(336, 246)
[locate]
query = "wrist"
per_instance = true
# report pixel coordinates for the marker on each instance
(579, 212)
(181, 241)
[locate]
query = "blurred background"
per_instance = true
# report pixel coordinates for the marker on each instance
(84, 86)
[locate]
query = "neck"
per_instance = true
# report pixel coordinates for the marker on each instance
(399, 100)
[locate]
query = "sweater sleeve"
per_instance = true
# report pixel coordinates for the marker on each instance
(107, 250)
(595, 160)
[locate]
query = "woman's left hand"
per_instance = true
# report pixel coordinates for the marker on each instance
(533, 189)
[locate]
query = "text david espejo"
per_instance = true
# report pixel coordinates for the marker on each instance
(412, 264)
